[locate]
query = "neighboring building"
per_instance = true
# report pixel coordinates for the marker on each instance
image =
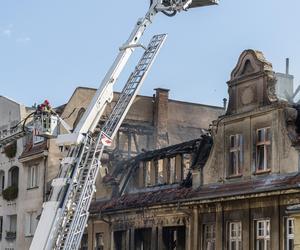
(152, 122)
(11, 171)
(236, 189)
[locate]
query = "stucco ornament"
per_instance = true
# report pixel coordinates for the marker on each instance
(271, 90)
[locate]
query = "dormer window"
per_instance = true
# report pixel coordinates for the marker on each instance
(235, 155)
(263, 150)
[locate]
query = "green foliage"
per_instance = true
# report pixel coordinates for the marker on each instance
(10, 193)
(11, 150)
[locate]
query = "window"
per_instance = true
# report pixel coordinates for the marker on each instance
(187, 162)
(35, 138)
(290, 233)
(32, 176)
(11, 232)
(209, 237)
(84, 242)
(235, 236)
(99, 243)
(30, 223)
(2, 180)
(263, 235)
(1, 227)
(263, 149)
(235, 155)
(13, 175)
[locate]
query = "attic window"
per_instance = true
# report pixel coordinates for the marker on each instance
(235, 155)
(263, 150)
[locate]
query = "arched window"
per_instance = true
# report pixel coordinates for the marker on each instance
(13, 176)
(2, 180)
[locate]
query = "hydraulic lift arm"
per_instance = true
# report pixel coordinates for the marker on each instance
(65, 214)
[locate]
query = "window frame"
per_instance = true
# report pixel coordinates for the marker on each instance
(1, 227)
(265, 143)
(266, 237)
(289, 236)
(212, 237)
(238, 238)
(33, 177)
(238, 150)
(30, 223)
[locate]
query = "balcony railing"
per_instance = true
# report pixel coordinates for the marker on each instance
(11, 235)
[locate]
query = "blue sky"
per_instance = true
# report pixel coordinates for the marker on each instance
(48, 48)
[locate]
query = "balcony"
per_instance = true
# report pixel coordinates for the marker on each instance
(11, 235)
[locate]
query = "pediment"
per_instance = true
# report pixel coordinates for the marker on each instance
(250, 62)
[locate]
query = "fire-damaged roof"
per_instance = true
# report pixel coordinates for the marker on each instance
(199, 148)
(180, 194)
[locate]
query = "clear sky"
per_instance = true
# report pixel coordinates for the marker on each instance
(48, 48)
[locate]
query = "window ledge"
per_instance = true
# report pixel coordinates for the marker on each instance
(262, 172)
(31, 188)
(28, 235)
(234, 176)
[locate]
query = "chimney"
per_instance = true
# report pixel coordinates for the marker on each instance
(287, 66)
(160, 120)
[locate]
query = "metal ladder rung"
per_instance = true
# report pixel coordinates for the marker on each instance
(82, 198)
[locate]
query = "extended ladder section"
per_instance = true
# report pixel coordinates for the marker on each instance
(75, 210)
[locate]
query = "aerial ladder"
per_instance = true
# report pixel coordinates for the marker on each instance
(65, 214)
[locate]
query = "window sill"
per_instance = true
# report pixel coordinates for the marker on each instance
(28, 236)
(32, 188)
(262, 172)
(234, 176)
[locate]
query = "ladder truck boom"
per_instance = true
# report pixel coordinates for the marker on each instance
(65, 214)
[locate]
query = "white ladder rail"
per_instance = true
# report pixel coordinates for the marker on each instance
(75, 217)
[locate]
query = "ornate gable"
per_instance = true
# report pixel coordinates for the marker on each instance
(252, 83)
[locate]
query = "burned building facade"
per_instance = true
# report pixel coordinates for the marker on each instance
(237, 188)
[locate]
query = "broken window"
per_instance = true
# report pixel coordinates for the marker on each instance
(187, 162)
(209, 237)
(120, 240)
(263, 235)
(290, 233)
(235, 155)
(263, 149)
(174, 238)
(235, 236)
(84, 242)
(142, 239)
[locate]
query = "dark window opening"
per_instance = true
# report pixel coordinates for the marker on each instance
(174, 238)
(120, 240)
(142, 239)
